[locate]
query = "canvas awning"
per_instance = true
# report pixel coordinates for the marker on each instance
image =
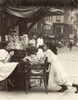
(25, 12)
(32, 14)
(61, 3)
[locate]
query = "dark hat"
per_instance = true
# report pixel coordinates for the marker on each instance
(32, 50)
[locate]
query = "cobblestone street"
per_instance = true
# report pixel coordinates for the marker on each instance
(70, 61)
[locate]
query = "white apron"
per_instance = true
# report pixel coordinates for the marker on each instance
(5, 68)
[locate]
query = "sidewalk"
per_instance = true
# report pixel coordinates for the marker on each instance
(70, 61)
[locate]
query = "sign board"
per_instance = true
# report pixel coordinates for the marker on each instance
(71, 36)
(47, 27)
(48, 23)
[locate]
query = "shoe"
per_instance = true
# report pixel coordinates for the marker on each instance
(76, 91)
(63, 88)
(76, 86)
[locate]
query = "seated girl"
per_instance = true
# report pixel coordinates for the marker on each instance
(33, 56)
(6, 67)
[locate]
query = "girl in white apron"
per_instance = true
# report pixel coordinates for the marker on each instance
(57, 73)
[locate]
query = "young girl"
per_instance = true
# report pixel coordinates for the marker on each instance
(57, 72)
(33, 56)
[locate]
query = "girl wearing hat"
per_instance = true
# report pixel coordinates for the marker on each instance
(57, 73)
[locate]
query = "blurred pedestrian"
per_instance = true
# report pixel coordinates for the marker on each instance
(32, 42)
(70, 45)
(40, 41)
(25, 41)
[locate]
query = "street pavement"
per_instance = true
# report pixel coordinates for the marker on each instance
(69, 60)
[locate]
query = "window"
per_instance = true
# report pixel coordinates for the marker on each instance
(57, 18)
(58, 30)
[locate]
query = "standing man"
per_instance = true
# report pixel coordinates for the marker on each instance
(25, 41)
(70, 45)
(33, 41)
(40, 41)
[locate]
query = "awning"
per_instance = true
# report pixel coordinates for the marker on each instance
(61, 3)
(25, 12)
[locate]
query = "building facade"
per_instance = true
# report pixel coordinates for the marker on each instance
(57, 25)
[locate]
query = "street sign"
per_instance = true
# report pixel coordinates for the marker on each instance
(47, 27)
(48, 23)
(71, 35)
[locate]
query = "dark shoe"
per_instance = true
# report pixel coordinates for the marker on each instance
(63, 88)
(76, 86)
(76, 91)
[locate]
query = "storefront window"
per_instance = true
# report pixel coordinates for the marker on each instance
(57, 18)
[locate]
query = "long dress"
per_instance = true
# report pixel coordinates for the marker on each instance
(57, 73)
(5, 68)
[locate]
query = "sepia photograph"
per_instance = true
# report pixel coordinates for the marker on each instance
(39, 49)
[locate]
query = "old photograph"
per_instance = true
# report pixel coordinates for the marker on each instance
(39, 49)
